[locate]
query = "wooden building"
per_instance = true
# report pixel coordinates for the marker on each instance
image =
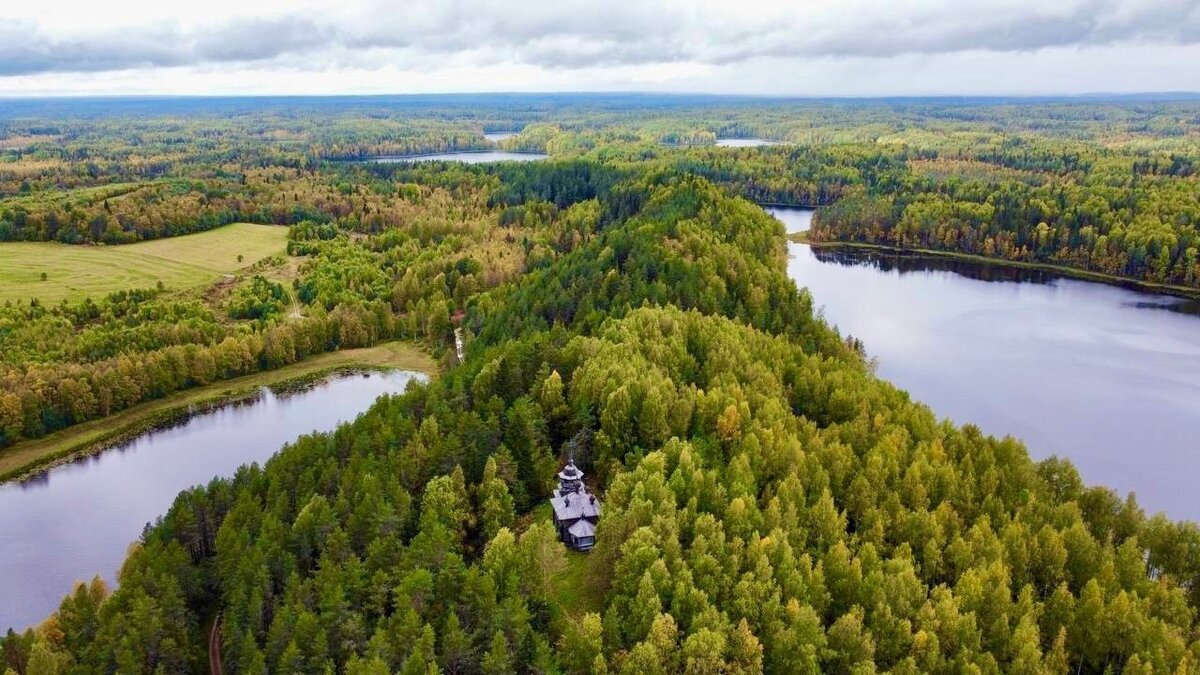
(576, 511)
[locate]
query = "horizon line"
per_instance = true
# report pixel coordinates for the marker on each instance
(1157, 95)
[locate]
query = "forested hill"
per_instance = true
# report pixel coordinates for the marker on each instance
(770, 505)
(1109, 186)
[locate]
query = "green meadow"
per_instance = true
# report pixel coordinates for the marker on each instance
(76, 272)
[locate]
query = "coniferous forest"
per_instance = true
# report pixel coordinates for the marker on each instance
(770, 504)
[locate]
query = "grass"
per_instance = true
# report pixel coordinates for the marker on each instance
(90, 437)
(77, 196)
(76, 272)
(574, 589)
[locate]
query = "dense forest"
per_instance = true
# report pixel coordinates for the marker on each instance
(1110, 187)
(770, 505)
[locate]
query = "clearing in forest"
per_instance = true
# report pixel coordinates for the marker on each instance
(75, 272)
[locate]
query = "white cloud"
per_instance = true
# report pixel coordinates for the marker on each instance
(812, 47)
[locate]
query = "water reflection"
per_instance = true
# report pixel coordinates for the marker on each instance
(902, 262)
(794, 218)
(77, 520)
(1106, 376)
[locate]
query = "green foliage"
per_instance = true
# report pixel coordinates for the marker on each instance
(769, 504)
(261, 300)
(1113, 220)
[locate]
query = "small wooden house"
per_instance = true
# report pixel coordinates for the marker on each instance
(576, 511)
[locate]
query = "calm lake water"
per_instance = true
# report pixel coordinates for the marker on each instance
(743, 142)
(78, 520)
(467, 157)
(1105, 376)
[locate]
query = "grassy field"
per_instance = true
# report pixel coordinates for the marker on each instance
(574, 588)
(98, 434)
(73, 197)
(76, 272)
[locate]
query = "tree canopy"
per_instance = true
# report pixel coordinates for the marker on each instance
(770, 505)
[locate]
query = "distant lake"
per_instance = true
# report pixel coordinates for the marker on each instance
(794, 219)
(744, 142)
(1105, 376)
(498, 136)
(466, 157)
(78, 520)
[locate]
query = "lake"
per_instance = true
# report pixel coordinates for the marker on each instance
(78, 520)
(1106, 376)
(466, 157)
(744, 142)
(498, 136)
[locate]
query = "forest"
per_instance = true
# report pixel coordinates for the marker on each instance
(771, 505)
(1109, 187)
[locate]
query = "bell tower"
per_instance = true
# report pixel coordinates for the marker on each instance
(570, 479)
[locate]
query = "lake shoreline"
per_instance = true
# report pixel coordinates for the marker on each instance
(33, 457)
(1064, 271)
(397, 159)
(1074, 367)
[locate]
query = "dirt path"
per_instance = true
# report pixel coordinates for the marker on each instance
(295, 307)
(214, 648)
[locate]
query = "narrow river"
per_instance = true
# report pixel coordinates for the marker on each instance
(1105, 376)
(78, 520)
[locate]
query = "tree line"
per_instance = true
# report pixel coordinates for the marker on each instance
(1108, 187)
(770, 504)
(66, 364)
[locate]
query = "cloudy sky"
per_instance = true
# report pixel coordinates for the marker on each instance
(802, 47)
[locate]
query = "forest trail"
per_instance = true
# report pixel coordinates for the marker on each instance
(214, 647)
(295, 307)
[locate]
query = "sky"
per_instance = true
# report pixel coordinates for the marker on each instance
(757, 47)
